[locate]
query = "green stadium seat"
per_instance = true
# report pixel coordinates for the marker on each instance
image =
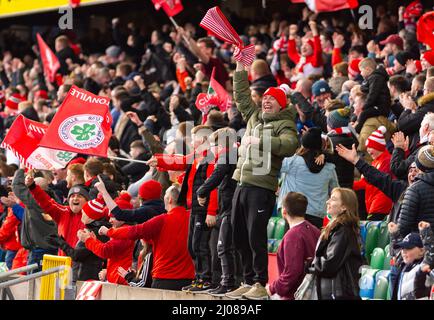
(276, 245)
(377, 258)
(271, 226)
(381, 288)
(371, 240)
(387, 258)
(270, 245)
(279, 230)
(383, 235)
(367, 283)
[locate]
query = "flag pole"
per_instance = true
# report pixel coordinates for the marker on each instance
(126, 159)
(176, 27)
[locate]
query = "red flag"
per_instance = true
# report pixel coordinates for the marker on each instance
(217, 25)
(216, 96)
(331, 5)
(23, 139)
(171, 7)
(82, 124)
(49, 60)
(425, 27)
(413, 10)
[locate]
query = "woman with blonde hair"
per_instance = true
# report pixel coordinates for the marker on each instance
(338, 257)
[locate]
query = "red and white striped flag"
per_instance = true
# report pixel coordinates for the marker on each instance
(23, 139)
(49, 60)
(90, 290)
(217, 25)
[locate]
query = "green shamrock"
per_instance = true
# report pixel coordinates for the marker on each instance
(64, 156)
(83, 133)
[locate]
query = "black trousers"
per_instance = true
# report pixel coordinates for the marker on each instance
(170, 284)
(198, 246)
(216, 268)
(251, 209)
(226, 252)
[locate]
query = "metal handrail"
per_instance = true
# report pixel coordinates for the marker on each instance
(33, 276)
(18, 270)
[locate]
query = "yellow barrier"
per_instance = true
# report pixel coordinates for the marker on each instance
(48, 283)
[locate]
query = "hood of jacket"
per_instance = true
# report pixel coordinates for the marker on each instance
(309, 159)
(426, 99)
(427, 177)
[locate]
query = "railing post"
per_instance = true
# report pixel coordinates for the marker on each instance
(31, 290)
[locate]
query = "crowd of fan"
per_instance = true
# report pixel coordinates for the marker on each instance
(321, 99)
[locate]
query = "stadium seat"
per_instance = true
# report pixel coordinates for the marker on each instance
(371, 240)
(377, 258)
(276, 245)
(387, 258)
(367, 284)
(383, 235)
(271, 226)
(270, 245)
(381, 288)
(280, 228)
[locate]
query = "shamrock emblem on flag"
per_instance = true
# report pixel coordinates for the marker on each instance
(83, 133)
(65, 156)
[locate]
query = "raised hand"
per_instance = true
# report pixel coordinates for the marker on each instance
(392, 227)
(103, 231)
(100, 186)
(348, 154)
(134, 118)
(400, 141)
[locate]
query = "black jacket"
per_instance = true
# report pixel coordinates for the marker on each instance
(394, 189)
(408, 122)
(135, 170)
(221, 178)
(344, 169)
(375, 86)
(86, 264)
(34, 228)
(63, 55)
(337, 262)
(399, 165)
(418, 204)
(148, 210)
(199, 178)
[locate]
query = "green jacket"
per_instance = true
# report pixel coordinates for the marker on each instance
(259, 165)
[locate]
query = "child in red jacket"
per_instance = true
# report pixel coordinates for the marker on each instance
(378, 205)
(198, 167)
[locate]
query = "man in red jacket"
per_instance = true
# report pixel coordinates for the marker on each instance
(378, 205)
(198, 167)
(119, 253)
(173, 267)
(68, 218)
(309, 60)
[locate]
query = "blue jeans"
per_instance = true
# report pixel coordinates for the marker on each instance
(36, 255)
(9, 258)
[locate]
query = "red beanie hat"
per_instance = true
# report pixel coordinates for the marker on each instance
(150, 190)
(14, 100)
(279, 94)
(353, 67)
(124, 201)
(95, 209)
(429, 56)
(376, 140)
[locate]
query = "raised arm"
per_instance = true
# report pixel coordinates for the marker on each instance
(242, 94)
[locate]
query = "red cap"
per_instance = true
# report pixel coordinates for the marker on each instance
(14, 100)
(95, 209)
(353, 67)
(150, 190)
(77, 160)
(124, 201)
(278, 94)
(376, 140)
(394, 39)
(429, 56)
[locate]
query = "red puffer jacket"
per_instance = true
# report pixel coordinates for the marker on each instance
(9, 233)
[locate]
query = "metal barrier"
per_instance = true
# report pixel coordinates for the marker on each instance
(4, 286)
(53, 286)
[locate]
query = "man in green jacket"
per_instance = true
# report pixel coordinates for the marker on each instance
(270, 136)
